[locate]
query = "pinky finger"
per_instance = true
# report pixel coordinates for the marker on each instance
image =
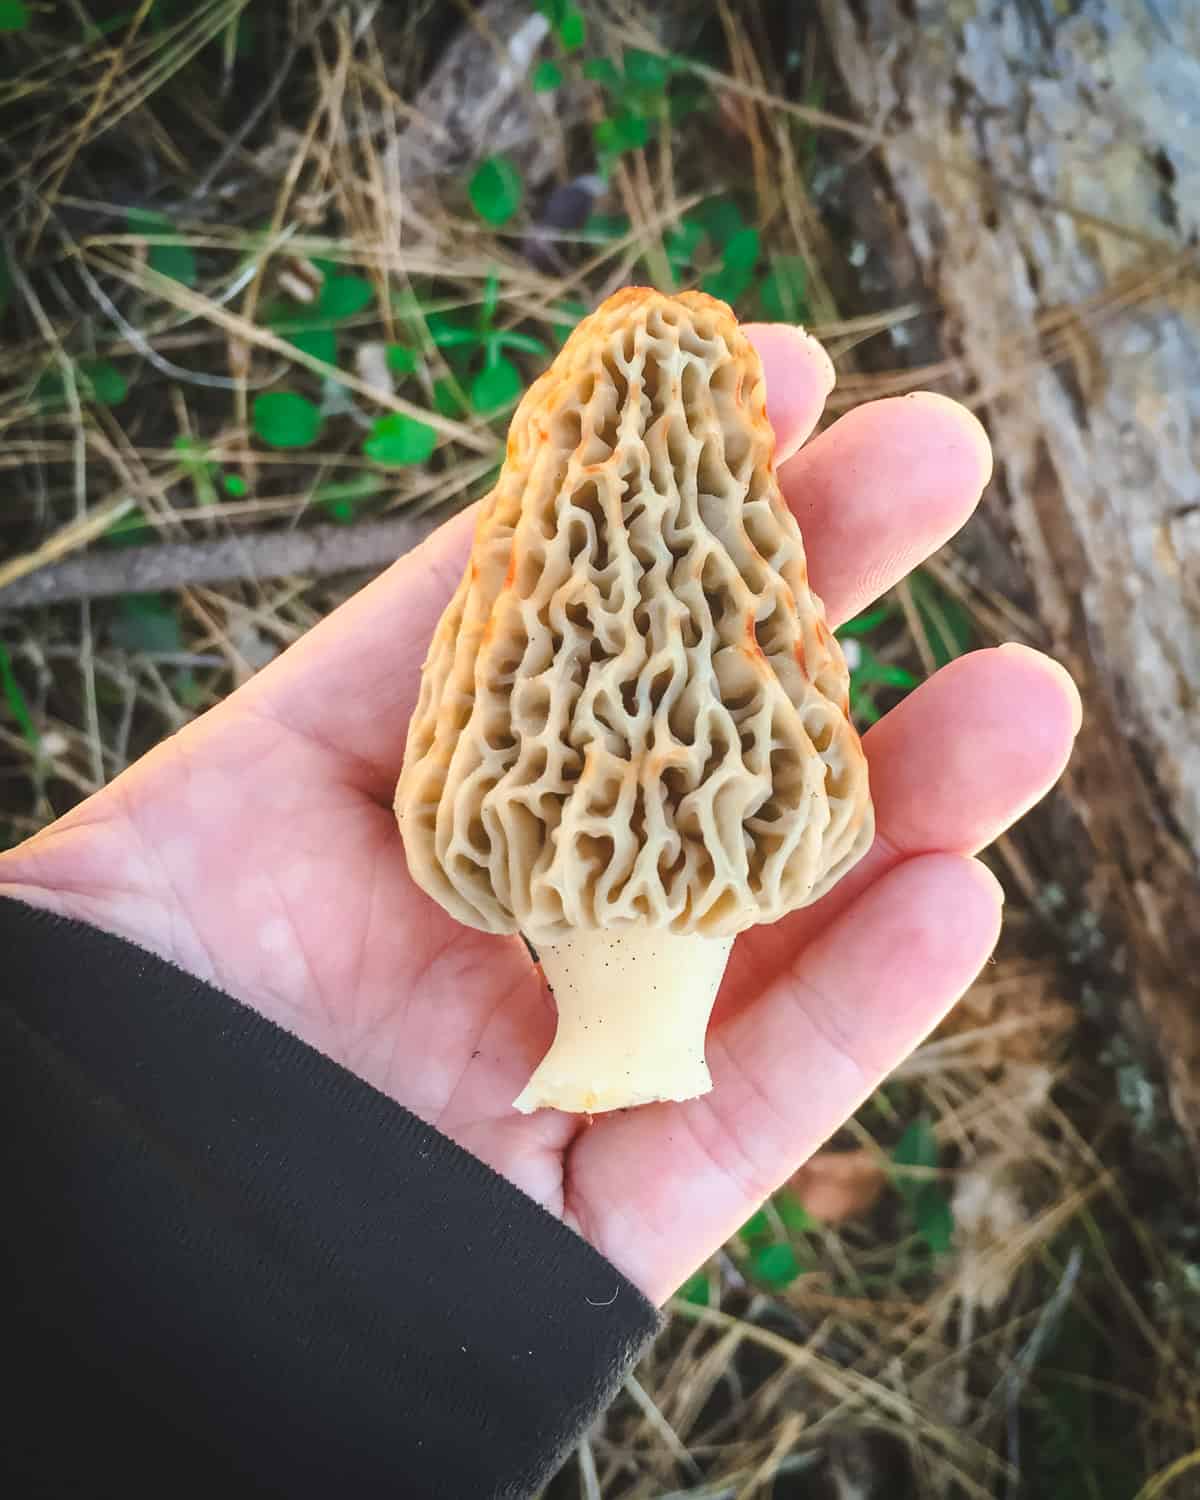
(798, 1061)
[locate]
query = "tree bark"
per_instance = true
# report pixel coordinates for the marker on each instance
(1042, 163)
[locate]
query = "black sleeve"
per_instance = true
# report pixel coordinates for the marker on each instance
(234, 1268)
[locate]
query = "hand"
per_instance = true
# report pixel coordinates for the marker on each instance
(257, 848)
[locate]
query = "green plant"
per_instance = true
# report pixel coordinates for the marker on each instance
(448, 397)
(397, 440)
(95, 380)
(767, 1241)
(604, 227)
(343, 499)
(314, 330)
(14, 15)
(547, 76)
(682, 244)
(865, 623)
(108, 386)
(129, 530)
(783, 290)
(319, 343)
(776, 1265)
(721, 218)
(15, 699)
(697, 1289)
(716, 238)
(867, 672)
(739, 257)
(637, 99)
(199, 468)
(567, 22)
(401, 360)
(204, 472)
(494, 381)
(284, 419)
(495, 190)
(343, 296)
(177, 260)
(945, 620)
(780, 290)
(923, 1197)
(147, 623)
(563, 318)
(497, 385)
(1078, 1451)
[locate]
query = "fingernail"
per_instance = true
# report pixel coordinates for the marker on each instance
(814, 348)
(819, 353)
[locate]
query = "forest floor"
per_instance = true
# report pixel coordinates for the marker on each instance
(267, 267)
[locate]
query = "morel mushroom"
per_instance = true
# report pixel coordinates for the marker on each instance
(633, 740)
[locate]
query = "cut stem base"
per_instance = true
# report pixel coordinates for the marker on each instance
(633, 1009)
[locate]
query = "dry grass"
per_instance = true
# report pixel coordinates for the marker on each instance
(955, 1376)
(1062, 1316)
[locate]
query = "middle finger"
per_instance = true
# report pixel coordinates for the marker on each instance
(880, 490)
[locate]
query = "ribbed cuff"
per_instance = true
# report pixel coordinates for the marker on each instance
(231, 1259)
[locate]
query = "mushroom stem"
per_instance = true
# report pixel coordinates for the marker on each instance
(633, 1008)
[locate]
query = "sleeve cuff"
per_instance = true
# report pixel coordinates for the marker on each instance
(230, 1256)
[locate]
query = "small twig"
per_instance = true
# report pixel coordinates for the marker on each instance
(589, 1478)
(138, 340)
(667, 1434)
(192, 302)
(317, 551)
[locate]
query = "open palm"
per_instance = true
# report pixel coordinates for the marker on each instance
(257, 849)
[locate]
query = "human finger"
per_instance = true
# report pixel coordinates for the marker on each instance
(787, 1071)
(882, 489)
(798, 375)
(951, 767)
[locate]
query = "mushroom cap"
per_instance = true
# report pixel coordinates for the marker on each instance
(632, 710)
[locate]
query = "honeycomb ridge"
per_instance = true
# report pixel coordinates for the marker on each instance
(632, 710)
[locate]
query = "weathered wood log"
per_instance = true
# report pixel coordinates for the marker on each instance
(1042, 163)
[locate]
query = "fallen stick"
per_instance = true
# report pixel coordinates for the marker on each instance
(317, 551)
